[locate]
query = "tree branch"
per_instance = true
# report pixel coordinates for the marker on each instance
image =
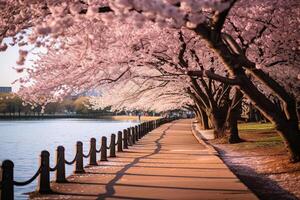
(219, 19)
(209, 74)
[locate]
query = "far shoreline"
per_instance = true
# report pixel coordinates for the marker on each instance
(79, 116)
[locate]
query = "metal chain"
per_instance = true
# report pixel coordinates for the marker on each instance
(98, 151)
(86, 156)
(72, 162)
(56, 166)
(30, 180)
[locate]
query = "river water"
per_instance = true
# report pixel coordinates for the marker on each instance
(22, 141)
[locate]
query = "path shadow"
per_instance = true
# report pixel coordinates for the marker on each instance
(109, 187)
(237, 191)
(162, 175)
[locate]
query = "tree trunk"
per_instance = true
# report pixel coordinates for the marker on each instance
(233, 116)
(291, 136)
(204, 119)
(234, 133)
(199, 118)
(218, 124)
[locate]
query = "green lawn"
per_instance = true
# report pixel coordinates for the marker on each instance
(254, 126)
(259, 135)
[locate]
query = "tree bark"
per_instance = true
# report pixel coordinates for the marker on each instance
(291, 135)
(234, 114)
(204, 119)
(218, 123)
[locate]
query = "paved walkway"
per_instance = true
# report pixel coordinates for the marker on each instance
(168, 163)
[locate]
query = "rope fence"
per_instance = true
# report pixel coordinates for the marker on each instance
(124, 139)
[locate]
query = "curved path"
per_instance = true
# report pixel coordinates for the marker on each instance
(168, 163)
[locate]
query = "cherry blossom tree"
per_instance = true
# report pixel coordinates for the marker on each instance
(170, 60)
(238, 62)
(141, 94)
(212, 28)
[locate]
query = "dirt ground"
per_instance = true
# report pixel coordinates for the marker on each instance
(262, 163)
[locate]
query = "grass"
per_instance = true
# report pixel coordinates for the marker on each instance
(254, 126)
(264, 142)
(259, 135)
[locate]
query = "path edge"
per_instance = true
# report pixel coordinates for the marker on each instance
(202, 140)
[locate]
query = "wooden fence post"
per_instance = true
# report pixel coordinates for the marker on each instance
(7, 180)
(136, 133)
(120, 143)
(125, 143)
(103, 149)
(79, 158)
(129, 134)
(140, 131)
(60, 162)
(132, 135)
(44, 177)
(93, 153)
(147, 127)
(112, 147)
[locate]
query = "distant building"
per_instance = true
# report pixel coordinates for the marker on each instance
(5, 89)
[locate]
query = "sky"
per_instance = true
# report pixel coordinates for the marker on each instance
(8, 60)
